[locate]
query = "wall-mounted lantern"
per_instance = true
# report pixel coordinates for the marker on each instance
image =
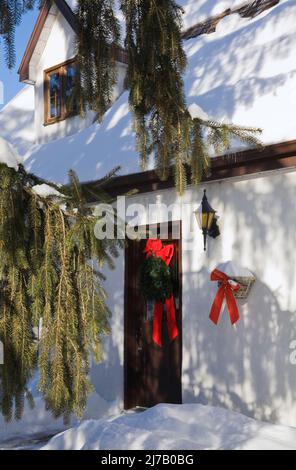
(207, 220)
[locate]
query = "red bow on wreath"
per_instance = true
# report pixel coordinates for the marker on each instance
(155, 246)
(225, 291)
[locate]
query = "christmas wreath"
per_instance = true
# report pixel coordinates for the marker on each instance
(155, 279)
(157, 284)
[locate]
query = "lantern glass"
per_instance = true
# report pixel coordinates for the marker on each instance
(198, 215)
(205, 216)
(210, 220)
(204, 219)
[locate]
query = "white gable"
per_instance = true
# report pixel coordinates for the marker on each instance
(41, 44)
(60, 44)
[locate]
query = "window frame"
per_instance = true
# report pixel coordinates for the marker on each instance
(61, 69)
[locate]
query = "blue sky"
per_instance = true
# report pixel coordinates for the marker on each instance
(10, 78)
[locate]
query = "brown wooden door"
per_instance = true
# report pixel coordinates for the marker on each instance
(152, 374)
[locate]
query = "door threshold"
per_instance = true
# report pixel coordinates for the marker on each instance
(136, 409)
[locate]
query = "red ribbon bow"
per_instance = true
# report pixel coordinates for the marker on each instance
(155, 246)
(225, 291)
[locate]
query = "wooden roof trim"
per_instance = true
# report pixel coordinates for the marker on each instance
(234, 165)
(246, 10)
(68, 13)
(24, 67)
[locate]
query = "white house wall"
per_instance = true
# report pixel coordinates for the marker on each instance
(247, 367)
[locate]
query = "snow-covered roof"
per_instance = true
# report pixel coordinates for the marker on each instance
(8, 154)
(92, 152)
(194, 10)
(17, 120)
(244, 73)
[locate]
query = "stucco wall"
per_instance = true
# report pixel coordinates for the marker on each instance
(247, 367)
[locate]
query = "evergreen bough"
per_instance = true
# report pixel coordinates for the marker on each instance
(157, 62)
(97, 40)
(11, 13)
(163, 125)
(50, 264)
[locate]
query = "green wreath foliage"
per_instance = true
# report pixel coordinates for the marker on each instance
(155, 280)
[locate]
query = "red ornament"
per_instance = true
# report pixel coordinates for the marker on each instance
(155, 247)
(225, 291)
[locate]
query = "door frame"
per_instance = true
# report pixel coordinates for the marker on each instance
(129, 343)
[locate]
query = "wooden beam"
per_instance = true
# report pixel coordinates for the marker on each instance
(238, 164)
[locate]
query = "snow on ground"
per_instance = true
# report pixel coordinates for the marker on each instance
(176, 427)
(38, 423)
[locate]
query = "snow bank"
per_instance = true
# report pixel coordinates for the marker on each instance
(39, 422)
(172, 427)
(35, 422)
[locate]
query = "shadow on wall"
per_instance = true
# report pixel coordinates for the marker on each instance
(247, 367)
(107, 377)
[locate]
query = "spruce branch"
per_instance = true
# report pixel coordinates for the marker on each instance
(47, 273)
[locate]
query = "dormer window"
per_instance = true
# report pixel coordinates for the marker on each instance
(59, 84)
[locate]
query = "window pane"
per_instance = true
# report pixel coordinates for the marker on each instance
(69, 88)
(54, 95)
